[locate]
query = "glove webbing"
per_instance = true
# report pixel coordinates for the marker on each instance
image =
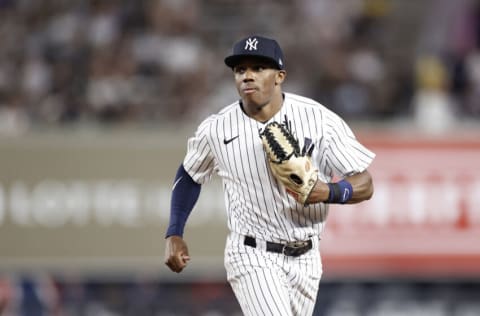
(278, 149)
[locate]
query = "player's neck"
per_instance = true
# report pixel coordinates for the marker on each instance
(264, 112)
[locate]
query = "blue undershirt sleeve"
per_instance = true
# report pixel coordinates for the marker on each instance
(185, 193)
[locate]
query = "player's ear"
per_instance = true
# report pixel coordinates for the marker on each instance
(280, 76)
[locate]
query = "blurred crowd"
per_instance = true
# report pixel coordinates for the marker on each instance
(69, 62)
(42, 295)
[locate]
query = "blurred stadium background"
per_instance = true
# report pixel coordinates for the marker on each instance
(98, 97)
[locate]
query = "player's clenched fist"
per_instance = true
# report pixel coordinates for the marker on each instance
(176, 253)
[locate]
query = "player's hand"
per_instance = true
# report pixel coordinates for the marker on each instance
(176, 253)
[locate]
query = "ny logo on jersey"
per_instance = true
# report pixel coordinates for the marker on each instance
(251, 44)
(308, 146)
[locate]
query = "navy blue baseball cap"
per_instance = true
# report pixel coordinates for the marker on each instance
(257, 46)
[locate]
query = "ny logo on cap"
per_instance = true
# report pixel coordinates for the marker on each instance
(251, 44)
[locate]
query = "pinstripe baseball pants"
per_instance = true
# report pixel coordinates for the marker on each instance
(267, 283)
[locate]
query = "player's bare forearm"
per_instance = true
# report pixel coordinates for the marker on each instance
(176, 253)
(362, 185)
(319, 193)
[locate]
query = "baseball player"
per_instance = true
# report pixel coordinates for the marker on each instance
(276, 210)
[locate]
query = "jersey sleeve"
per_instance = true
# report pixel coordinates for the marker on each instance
(199, 162)
(345, 154)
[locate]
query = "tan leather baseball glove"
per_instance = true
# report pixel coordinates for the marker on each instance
(294, 169)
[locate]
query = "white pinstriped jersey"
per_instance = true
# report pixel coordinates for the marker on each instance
(228, 144)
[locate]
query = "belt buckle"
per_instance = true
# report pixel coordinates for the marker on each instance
(295, 248)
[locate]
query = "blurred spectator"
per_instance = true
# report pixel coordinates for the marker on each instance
(472, 66)
(14, 118)
(29, 296)
(103, 23)
(432, 103)
(8, 303)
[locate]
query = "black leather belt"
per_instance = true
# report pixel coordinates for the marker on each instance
(293, 249)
